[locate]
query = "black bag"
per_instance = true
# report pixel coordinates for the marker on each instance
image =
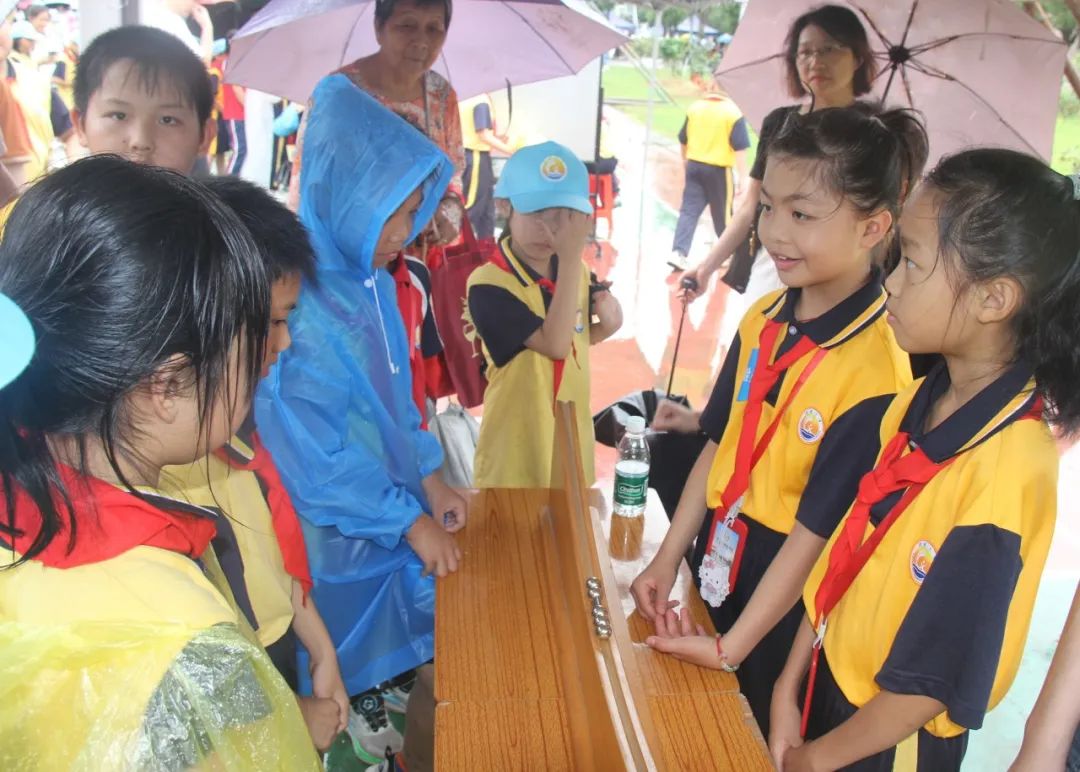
(609, 424)
(673, 455)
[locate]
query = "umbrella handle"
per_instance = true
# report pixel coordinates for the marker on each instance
(678, 336)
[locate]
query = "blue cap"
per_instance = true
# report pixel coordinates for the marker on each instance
(545, 176)
(16, 343)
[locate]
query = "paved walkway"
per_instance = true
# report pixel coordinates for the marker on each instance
(639, 357)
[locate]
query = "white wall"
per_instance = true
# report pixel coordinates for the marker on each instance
(98, 16)
(565, 110)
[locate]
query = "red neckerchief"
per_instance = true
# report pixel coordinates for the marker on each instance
(893, 472)
(410, 314)
(290, 537)
(498, 257)
(764, 378)
(109, 522)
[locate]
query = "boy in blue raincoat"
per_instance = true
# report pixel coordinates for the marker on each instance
(337, 411)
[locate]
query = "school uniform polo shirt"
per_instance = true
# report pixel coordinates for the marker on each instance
(714, 130)
(863, 360)
(517, 433)
(246, 545)
(943, 605)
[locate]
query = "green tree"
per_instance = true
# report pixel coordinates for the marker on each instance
(1061, 17)
(672, 17)
(723, 17)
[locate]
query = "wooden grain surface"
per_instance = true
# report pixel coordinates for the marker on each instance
(519, 668)
(516, 689)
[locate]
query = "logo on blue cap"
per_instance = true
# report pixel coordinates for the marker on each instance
(553, 169)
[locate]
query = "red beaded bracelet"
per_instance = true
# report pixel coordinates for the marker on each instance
(723, 657)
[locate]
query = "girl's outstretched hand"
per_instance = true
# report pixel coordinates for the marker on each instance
(679, 636)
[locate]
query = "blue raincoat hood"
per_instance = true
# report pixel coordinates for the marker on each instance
(361, 162)
(337, 412)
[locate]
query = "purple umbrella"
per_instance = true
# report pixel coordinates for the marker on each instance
(982, 72)
(290, 44)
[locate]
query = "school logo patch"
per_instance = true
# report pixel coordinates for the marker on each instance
(811, 426)
(553, 169)
(922, 555)
(579, 325)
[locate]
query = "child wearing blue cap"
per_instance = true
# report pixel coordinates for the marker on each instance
(536, 310)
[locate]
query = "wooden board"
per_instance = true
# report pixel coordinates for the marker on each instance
(521, 679)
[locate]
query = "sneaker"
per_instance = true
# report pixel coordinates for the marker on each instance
(373, 737)
(389, 764)
(678, 262)
(397, 690)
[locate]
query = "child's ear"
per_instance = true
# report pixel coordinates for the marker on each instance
(998, 300)
(875, 228)
(209, 134)
(166, 387)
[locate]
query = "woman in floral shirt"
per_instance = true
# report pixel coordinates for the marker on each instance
(411, 34)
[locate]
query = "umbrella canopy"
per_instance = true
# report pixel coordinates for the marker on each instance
(290, 44)
(981, 72)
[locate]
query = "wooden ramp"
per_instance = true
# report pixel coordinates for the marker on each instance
(523, 680)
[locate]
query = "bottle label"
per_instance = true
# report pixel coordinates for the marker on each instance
(631, 489)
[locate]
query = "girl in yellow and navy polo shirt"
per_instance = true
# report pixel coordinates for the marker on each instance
(802, 357)
(536, 313)
(940, 502)
(120, 644)
(259, 541)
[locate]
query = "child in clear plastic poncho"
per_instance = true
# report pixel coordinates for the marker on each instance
(120, 645)
(337, 411)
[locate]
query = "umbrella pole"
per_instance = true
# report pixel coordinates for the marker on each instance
(645, 159)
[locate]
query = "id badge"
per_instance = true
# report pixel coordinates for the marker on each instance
(720, 567)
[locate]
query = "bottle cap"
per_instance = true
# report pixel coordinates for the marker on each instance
(635, 424)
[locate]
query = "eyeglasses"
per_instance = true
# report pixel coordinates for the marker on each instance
(826, 52)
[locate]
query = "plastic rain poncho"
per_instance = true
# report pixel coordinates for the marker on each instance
(337, 412)
(88, 696)
(136, 662)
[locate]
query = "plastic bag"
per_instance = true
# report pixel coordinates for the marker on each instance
(457, 433)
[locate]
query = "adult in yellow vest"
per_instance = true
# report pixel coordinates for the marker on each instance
(714, 139)
(480, 138)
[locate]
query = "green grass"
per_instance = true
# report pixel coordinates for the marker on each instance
(626, 82)
(1066, 157)
(623, 82)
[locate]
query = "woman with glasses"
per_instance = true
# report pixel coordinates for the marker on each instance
(829, 64)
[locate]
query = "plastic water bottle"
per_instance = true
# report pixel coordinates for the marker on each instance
(632, 470)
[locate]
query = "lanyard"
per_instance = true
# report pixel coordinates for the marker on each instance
(761, 383)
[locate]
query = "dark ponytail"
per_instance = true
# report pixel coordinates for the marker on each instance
(868, 156)
(1003, 213)
(120, 268)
